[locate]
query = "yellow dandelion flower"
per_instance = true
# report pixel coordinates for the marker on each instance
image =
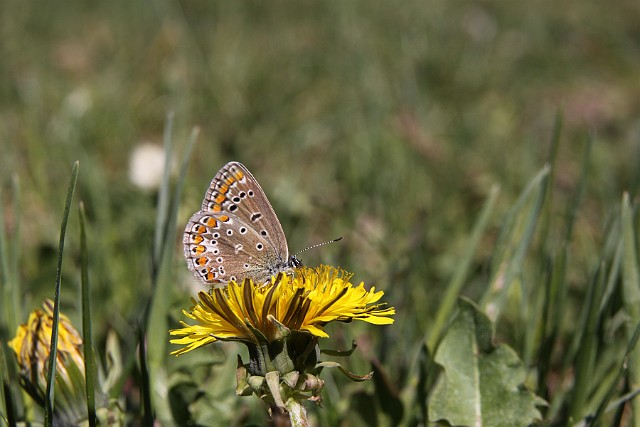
(280, 322)
(303, 302)
(32, 345)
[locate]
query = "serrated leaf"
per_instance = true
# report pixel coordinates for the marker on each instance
(481, 384)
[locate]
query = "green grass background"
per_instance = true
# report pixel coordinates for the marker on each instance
(383, 122)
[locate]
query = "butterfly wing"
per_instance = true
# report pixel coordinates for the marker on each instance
(234, 190)
(236, 234)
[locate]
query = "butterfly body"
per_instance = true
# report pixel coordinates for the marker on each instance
(236, 234)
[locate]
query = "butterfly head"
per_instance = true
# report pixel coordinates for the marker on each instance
(295, 262)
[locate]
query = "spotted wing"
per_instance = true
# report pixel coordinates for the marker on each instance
(236, 234)
(234, 190)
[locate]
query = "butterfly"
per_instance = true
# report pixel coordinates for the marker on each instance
(236, 234)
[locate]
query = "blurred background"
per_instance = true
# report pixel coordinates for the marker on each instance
(386, 123)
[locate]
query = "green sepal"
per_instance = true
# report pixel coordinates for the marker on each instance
(341, 353)
(351, 376)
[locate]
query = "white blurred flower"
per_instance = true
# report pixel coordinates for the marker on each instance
(146, 166)
(79, 101)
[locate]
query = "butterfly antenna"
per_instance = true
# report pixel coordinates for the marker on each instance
(318, 245)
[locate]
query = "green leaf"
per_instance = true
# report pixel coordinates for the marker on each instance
(482, 384)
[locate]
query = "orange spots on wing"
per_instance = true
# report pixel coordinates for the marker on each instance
(220, 199)
(202, 260)
(223, 218)
(211, 222)
(216, 208)
(199, 250)
(239, 175)
(199, 229)
(210, 275)
(223, 189)
(195, 238)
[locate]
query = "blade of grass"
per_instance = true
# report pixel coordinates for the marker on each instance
(7, 309)
(545, 217)
(163, 201)
(535, 335)
(157, 323)
(604, 404)
(51, 374)
(556, 285)
(572, 212)
(11, 313)
(89, 367)
(631, 292)
(509, 263)
(448, 303)
(588, 346)
(145, 385)
(616, 263)
(155, 320)
(16, 250)
(9, 266)
(6, 393)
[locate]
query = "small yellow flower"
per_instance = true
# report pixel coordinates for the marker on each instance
(32, 344)
(303, 302)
